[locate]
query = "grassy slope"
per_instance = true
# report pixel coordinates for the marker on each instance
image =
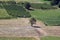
(51, 17)
(50, 38)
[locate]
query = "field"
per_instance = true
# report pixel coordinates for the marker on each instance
(12, 11)
(49, 17)
(26, 38)
(16, 38)
(23, 0)
(50, 38)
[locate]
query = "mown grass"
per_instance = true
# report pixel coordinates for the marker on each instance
(49, 17)
(16, 38)
(50, 38)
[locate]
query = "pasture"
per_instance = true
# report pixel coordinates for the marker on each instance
(12, 11)
(30, 38)
(23, 0)
(16, 38)
(49, 17)
(50, 38)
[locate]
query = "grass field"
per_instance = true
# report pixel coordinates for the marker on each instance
(16, 38)
(3, 13)
(50, 38)
(23, 0)
(26, 38)
(49, 17)
(12, 11)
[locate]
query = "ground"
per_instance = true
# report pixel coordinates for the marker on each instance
(18, 27)
(21, 28)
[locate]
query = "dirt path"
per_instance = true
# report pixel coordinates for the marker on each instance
(10, 24)
(20, 28)
(14, 22)
(52, 30)
(49, 30)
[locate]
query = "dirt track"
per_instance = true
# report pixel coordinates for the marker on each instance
(21, 27)
(52, 30)
(18, 28)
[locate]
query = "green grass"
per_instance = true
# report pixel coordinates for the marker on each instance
(3, 13)
(12, 11)
(16, 38)
(23, 0)
(30, 38)
(50, 17)
(50, 38)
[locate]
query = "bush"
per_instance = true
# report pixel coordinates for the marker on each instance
(59, 5)
(27, 5)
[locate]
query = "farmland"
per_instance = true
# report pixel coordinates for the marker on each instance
(50, 17)
(16, 38)
(50, 38)
(20, 16)
(23, 0)
(27, 38)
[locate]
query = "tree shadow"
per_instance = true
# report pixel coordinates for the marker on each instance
(15, 10)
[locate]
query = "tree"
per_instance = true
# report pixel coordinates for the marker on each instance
(59, 5)
(27, 5)
(55, 2)
(32, 21)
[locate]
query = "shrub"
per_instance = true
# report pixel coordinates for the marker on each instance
(59, 5)
(27, 5)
